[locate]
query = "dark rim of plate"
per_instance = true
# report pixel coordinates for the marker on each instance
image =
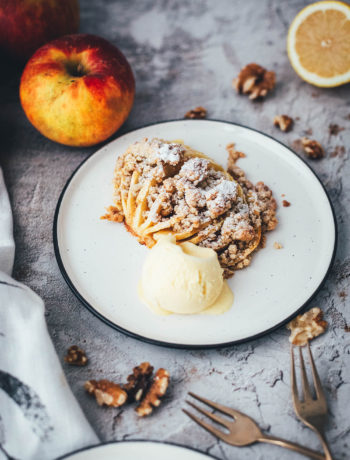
(177, 345)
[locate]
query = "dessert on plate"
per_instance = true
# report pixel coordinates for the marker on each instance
(168, 188)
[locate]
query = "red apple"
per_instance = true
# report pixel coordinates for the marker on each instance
(77, 90)
(27, 24)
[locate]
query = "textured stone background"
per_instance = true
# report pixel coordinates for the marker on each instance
(185, 53)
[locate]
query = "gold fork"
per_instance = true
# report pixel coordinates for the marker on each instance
(312, 412)
(242, 430)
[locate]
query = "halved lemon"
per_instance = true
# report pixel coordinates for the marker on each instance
(318, 43)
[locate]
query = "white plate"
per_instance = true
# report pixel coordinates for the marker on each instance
(136, 450)
(101, 261)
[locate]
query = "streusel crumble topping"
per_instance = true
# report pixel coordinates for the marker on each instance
(163, 186)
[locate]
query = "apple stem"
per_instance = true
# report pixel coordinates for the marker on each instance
(75, 69)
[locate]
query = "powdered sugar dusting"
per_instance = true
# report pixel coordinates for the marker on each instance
(169, 153)
(224, 191)
(220, 197)
(195, 170)
(227, 189)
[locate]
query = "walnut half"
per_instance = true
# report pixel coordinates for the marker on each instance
(283, 122)
(156, 391)
(197, 113)
(307, 326)
(312, 148)
(255, 81)
(106, 392)
(138, 381)
(76, 356)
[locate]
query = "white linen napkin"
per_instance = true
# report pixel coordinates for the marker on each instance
(39, 416)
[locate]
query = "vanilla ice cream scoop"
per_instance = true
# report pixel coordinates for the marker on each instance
(183, 279)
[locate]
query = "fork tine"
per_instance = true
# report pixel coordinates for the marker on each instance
(212, 416)
(218, 433)
(304, 379)
(317, 381)
(224, 409)
(295, 394)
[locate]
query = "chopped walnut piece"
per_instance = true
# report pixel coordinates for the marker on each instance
(312, 148)
(255, 81)
(113, 214)
(106, 392)
(234, 154)
(283, 122)
(277, 245)
(156, 391)
(198, 113)
(76, 356)
(307, 326)
(335, 129)
(285, 204)
(138, 381)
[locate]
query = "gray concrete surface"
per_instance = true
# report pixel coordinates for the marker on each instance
(185, 53)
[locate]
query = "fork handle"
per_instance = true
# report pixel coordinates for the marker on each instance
(323, 440)
(292, 446)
